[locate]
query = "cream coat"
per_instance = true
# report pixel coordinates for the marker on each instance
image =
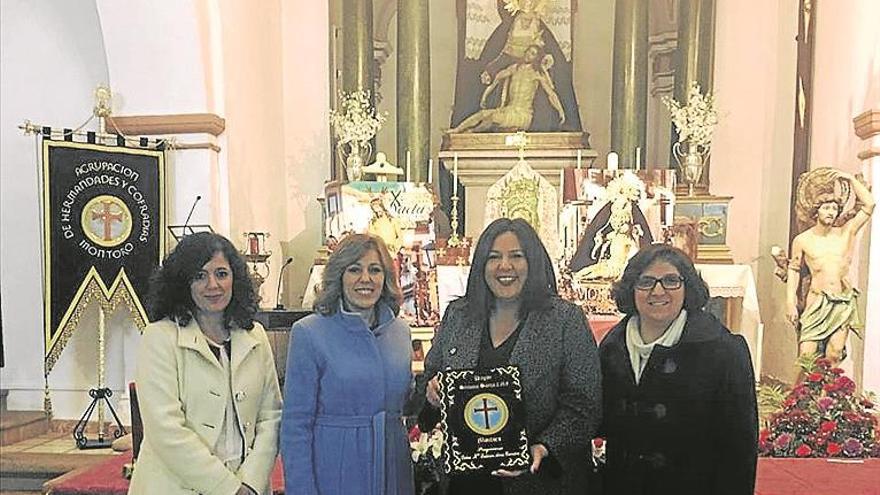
(183, 395)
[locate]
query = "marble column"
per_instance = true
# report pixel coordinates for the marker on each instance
(867, 127)
(629, 92)
(413, 88)
(695, 58)
(357, 46)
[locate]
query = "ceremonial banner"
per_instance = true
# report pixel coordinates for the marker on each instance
(104, 218)
(483, 420)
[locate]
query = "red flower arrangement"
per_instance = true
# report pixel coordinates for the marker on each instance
(822, 417)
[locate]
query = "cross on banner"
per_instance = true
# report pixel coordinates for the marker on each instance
(107, 217)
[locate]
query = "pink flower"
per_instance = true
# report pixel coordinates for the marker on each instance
(852, 447)
(814, 377)
(837, 371)
(828, 426)
(598, 442)
(414, 433)
(823, 363)
(782, 441)
(825, 403)
(803, 451)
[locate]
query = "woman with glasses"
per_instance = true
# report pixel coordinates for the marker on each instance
(679, 410)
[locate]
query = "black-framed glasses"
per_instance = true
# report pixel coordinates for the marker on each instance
(668, 282)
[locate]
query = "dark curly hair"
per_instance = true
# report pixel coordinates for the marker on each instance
(540, 287)
(349, 250)
(170, 294)
(696, 292)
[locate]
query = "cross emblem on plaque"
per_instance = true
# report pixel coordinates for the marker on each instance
(486, 409)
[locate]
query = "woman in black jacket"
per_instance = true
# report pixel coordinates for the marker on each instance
(679, 409)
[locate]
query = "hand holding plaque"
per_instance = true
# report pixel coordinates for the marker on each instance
(483, 420)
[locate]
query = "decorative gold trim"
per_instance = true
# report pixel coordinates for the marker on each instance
(867, 124)
(496, 140)
(188, 123)
(714, 254)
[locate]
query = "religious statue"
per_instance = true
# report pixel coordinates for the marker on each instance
(617, 231)
(826, 310)
(385, 226)
(520, 82)
(614, 248)
(490, 59)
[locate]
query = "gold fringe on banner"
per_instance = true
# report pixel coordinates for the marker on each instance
(93, 287)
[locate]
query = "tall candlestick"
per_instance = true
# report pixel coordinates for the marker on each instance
(638, 158)
(611, 162)
(455, 174)
(408, 168)
(430, 169)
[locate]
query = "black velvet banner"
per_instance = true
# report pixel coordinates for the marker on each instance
(104, 225)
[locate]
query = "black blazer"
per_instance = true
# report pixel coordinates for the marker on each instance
(691, 425)
(558, 361)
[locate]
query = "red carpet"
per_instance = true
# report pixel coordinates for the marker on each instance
(106, 479)
(817, 477)
(775, 477)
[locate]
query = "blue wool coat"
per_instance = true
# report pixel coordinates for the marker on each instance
(345, 387)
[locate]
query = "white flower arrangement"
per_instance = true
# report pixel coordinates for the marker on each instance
(356, 119)
(694, 122)
(426, 443)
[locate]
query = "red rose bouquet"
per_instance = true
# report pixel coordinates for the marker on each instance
(822, 417)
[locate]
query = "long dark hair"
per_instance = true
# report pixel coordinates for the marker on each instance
(170, 294)
(349, 250)
(696, 292)
(540, 287)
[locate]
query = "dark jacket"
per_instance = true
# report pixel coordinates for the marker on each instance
(691, 425)
(558, 361)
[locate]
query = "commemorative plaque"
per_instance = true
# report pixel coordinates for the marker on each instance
(483, 420)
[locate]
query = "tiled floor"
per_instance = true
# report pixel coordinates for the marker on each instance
(51, 443)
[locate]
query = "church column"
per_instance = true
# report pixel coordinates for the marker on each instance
(357, 46)
(413, 87)
(629, 96)
(696, 57)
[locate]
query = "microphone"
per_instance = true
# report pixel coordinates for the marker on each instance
(280, 306)
(191, 210)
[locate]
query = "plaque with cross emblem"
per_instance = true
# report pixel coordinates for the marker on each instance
(483, 420)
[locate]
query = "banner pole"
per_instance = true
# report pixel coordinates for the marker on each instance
(101, 370)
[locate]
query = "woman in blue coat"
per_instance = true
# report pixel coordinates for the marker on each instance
(348, 376)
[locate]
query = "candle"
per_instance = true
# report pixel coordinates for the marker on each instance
(430, 169)
(408, 167)
(579, 160)
(455, 172)
(638, 158)
(611, 161)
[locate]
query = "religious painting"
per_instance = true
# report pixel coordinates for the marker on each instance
(515, 71)
(400, 214)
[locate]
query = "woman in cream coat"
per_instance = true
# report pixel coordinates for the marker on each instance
(209, 394)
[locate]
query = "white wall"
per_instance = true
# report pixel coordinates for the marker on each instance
(52, 59)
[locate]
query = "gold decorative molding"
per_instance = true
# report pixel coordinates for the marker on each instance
(867, 124)
(147, 125)
(496, 140)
